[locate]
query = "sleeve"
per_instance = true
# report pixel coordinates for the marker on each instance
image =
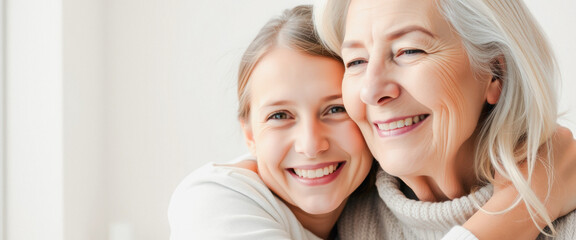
(226, 210)
(459, 233)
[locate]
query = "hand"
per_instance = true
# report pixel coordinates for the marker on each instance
(516, 223)
(562, 199)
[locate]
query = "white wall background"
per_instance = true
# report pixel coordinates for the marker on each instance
(110, 103)
(557, 18)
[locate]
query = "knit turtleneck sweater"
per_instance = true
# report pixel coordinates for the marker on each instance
(389, 214)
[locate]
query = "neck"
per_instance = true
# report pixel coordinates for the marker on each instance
(455, 178)
(319, 224)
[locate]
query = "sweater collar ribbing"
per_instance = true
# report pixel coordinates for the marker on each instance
(425, 216)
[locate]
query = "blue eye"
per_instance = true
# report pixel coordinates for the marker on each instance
(337, 109)
(355, 62)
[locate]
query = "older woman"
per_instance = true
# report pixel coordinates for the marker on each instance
(446, 93)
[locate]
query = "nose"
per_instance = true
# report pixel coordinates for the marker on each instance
(311, 139)
(378, 87)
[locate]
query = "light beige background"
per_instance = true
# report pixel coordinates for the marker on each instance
(110, 103)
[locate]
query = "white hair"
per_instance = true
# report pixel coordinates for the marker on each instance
(501, 38)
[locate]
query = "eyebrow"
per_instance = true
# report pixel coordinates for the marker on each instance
(413, 28)
(276, 103)
(391, 36)
(332, 97)
(286, 102)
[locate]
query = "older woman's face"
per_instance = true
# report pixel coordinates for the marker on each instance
(409, 86)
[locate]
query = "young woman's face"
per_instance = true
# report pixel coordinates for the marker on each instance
(409, 86)
(309, 152)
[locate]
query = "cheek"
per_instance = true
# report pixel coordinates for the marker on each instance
(440, 83)
(352, 142)
(352, 138)
(446, 83)
(462, 94)
(455, 98)
(273, 178)
(272, 149)
(271, 146)
(351, 96)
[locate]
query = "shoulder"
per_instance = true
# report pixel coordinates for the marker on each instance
(224, 202)
(212, 185)
(214, 177)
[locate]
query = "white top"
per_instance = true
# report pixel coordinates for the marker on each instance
(223, 202)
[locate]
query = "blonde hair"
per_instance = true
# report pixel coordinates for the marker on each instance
(501, 38)
(293, 29)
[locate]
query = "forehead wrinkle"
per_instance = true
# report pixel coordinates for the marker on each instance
(368, 17)
(401, 24)
(408, 29)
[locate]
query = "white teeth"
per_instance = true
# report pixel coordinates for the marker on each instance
(401, 123)
(311, 173)
(383, 126)
(408, 121)
(315, 173)
(319, 173)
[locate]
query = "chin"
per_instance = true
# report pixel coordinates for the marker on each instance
(321, 211)
(320, 206)
(399, 168)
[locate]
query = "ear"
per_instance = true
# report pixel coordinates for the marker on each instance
(248, 135)
(494, 91)
(495, 85)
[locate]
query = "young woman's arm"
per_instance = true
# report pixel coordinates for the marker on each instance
(517, 224)
(217, 202)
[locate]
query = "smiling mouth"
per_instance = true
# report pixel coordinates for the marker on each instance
(401, 123)
(316, 173)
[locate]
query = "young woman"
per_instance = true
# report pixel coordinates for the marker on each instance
(447, 93)
(310, 155)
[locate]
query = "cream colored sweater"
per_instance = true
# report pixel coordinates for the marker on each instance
(389, 214)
